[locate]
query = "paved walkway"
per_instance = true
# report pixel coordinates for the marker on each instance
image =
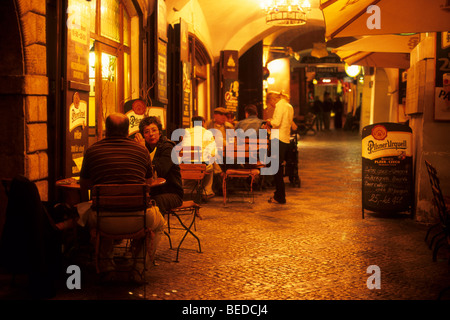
(316, 247)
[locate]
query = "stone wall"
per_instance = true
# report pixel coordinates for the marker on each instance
(24, 90)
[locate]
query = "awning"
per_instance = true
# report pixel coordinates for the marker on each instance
(345, 18)
(387, 51)
(376, 59)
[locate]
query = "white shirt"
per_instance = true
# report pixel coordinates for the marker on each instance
(282, 120)
(199, 136)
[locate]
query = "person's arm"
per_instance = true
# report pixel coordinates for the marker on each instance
(163, 163)
(275, 122)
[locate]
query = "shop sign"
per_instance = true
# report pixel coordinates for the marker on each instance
(387, 180)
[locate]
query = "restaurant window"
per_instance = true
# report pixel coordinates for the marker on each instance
(109, 63)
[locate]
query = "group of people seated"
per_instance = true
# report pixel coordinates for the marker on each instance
(118, 159)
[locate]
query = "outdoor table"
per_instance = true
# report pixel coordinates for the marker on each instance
(72, 195)
(70, 187)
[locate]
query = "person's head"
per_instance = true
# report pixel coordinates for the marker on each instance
(151, 129)
(116, 125)
(220, 115)
(197, 120)
(250, 110)
(272, 98)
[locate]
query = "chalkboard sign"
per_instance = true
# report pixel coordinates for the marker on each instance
(387, 166)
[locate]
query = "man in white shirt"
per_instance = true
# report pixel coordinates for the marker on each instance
(281, 120)
(198, 136)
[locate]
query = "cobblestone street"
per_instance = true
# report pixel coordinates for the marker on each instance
(316, 247)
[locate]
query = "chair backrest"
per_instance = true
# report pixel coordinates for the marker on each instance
(191, 154)
(247, 150)
(437, 193)
(192, 171)
(120, 197)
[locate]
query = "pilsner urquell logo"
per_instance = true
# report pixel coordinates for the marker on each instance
(373, 147)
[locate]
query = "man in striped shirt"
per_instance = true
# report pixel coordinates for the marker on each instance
(117, 160)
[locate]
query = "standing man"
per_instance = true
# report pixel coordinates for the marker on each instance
(282, 120)
(117, 159)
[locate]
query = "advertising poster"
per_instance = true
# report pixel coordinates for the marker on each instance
(162, 71)
(387, 167)
(186, 94)
(77, 95)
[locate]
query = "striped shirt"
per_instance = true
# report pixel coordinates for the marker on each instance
(116, 160)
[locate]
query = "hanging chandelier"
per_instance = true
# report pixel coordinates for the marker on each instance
(286, 12)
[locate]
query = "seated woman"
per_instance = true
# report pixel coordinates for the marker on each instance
(170, 194)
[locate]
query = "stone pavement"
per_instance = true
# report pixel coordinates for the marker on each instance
(315, 247)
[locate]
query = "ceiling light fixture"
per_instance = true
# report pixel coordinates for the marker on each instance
(286, 12)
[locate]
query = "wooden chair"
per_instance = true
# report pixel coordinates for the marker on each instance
(247, 159)
(192, 168)
(194, 172)
(121, 214)
(189, 211)
(442, 237)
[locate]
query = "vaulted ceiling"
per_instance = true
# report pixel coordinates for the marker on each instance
(239, 24)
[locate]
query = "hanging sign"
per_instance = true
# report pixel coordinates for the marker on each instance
(387, 166)
(230, 80)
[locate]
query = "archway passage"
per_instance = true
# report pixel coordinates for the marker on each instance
(11, 97)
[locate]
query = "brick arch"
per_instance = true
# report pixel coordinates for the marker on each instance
(23, 92)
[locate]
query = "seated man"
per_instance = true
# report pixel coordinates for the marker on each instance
(116, 159)
(198, 136)
(251, 120)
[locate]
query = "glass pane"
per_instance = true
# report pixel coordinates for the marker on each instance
(126, 77)
(93, 5)
(109, 85)
(126, 28)
(110, 15)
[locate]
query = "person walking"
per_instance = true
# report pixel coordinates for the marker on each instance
(327, 107)
(338, 109)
